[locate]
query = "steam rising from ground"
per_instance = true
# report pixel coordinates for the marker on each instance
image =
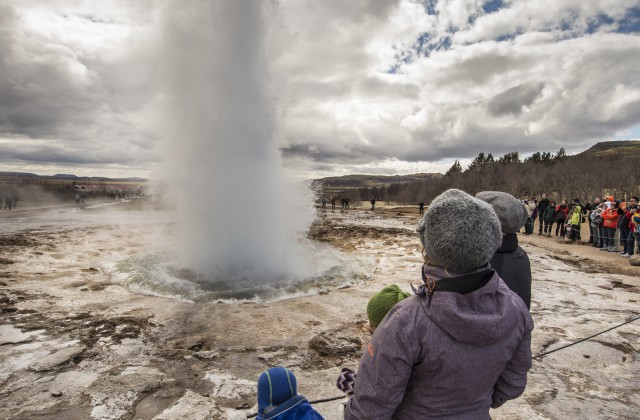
(240, 218)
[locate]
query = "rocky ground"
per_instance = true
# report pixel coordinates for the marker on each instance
(76, 342)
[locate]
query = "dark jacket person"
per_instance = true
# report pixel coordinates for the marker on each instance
(510, 261)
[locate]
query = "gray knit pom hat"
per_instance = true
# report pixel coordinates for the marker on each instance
(510, 210)
(459, 232)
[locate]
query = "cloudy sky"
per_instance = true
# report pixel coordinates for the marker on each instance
(361, 86)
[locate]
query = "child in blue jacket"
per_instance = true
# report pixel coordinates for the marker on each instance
(278, 397)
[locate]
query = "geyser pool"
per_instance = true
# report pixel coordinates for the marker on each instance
(158, 274)
(241, 220)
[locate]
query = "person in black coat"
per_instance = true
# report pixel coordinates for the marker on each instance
(542, 208)
(510, 261)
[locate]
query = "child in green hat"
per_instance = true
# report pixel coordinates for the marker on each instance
(381, 303)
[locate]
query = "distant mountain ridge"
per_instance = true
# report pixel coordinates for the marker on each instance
(70, 177)
(613, 149)
(610, 150)
(359, 181)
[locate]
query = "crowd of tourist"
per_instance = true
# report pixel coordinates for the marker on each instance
(610, 221)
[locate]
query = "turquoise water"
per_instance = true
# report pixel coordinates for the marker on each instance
(161, 274)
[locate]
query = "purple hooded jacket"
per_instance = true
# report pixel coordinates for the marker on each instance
(450, 355)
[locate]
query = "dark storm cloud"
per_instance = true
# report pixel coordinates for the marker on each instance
(55, 86)
(63, 153)
(39, 93)
(512, 100)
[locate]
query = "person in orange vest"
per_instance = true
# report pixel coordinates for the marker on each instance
(609, 225)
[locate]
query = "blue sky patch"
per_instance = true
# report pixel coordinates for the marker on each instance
(507, 37)
(492, 6)
(631, 22)
(429, 6)
(595, 23)
(421, 43)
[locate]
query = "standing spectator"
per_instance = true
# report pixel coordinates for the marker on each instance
(534, 213)
(595, 222)
(346, 203)
(600, 222)
(542, 207)
(562, 210)
(627, 227)
(593, 229)
(462, 344)
(373, 203)
(609, 200)
(77, 198)
(575, 218)
(510, 261)
(530, 207)
(623, 228)
(549, 216)
(635, 220)
(610, 225)
(7, 202)
(421, 206)
(333, 202)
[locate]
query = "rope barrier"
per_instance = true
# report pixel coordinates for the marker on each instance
(537, 356)
(324, 400)
(584, 339)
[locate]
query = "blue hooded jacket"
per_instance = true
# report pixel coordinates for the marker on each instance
(278, 397)
(296, 408)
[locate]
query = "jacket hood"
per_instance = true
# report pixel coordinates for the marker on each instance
(480, 317)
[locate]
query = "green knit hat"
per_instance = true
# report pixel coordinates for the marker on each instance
(382, 302)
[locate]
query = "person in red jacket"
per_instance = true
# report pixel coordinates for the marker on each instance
(562, 210)
(609, 226)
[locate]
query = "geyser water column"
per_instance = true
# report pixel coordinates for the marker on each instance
(240, 218)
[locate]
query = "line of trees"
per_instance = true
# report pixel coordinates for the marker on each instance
(558, 175)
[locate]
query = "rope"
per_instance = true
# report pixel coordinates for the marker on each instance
(584, 339)
(534, 357)
(324, 400)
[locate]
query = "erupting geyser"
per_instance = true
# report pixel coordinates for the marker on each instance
(240, 218)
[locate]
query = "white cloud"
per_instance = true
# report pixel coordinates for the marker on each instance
(369, 86)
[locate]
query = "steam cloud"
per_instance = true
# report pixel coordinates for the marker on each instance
(240, 218)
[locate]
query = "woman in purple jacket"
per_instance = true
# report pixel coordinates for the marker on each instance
(462, 344)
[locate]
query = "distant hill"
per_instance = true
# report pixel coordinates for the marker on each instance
(17, 174)
(368, 181)
(612, 150)
(70, 177)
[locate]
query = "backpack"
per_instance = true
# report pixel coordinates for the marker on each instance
(597, 220)
(582, 219)
(636, 218)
